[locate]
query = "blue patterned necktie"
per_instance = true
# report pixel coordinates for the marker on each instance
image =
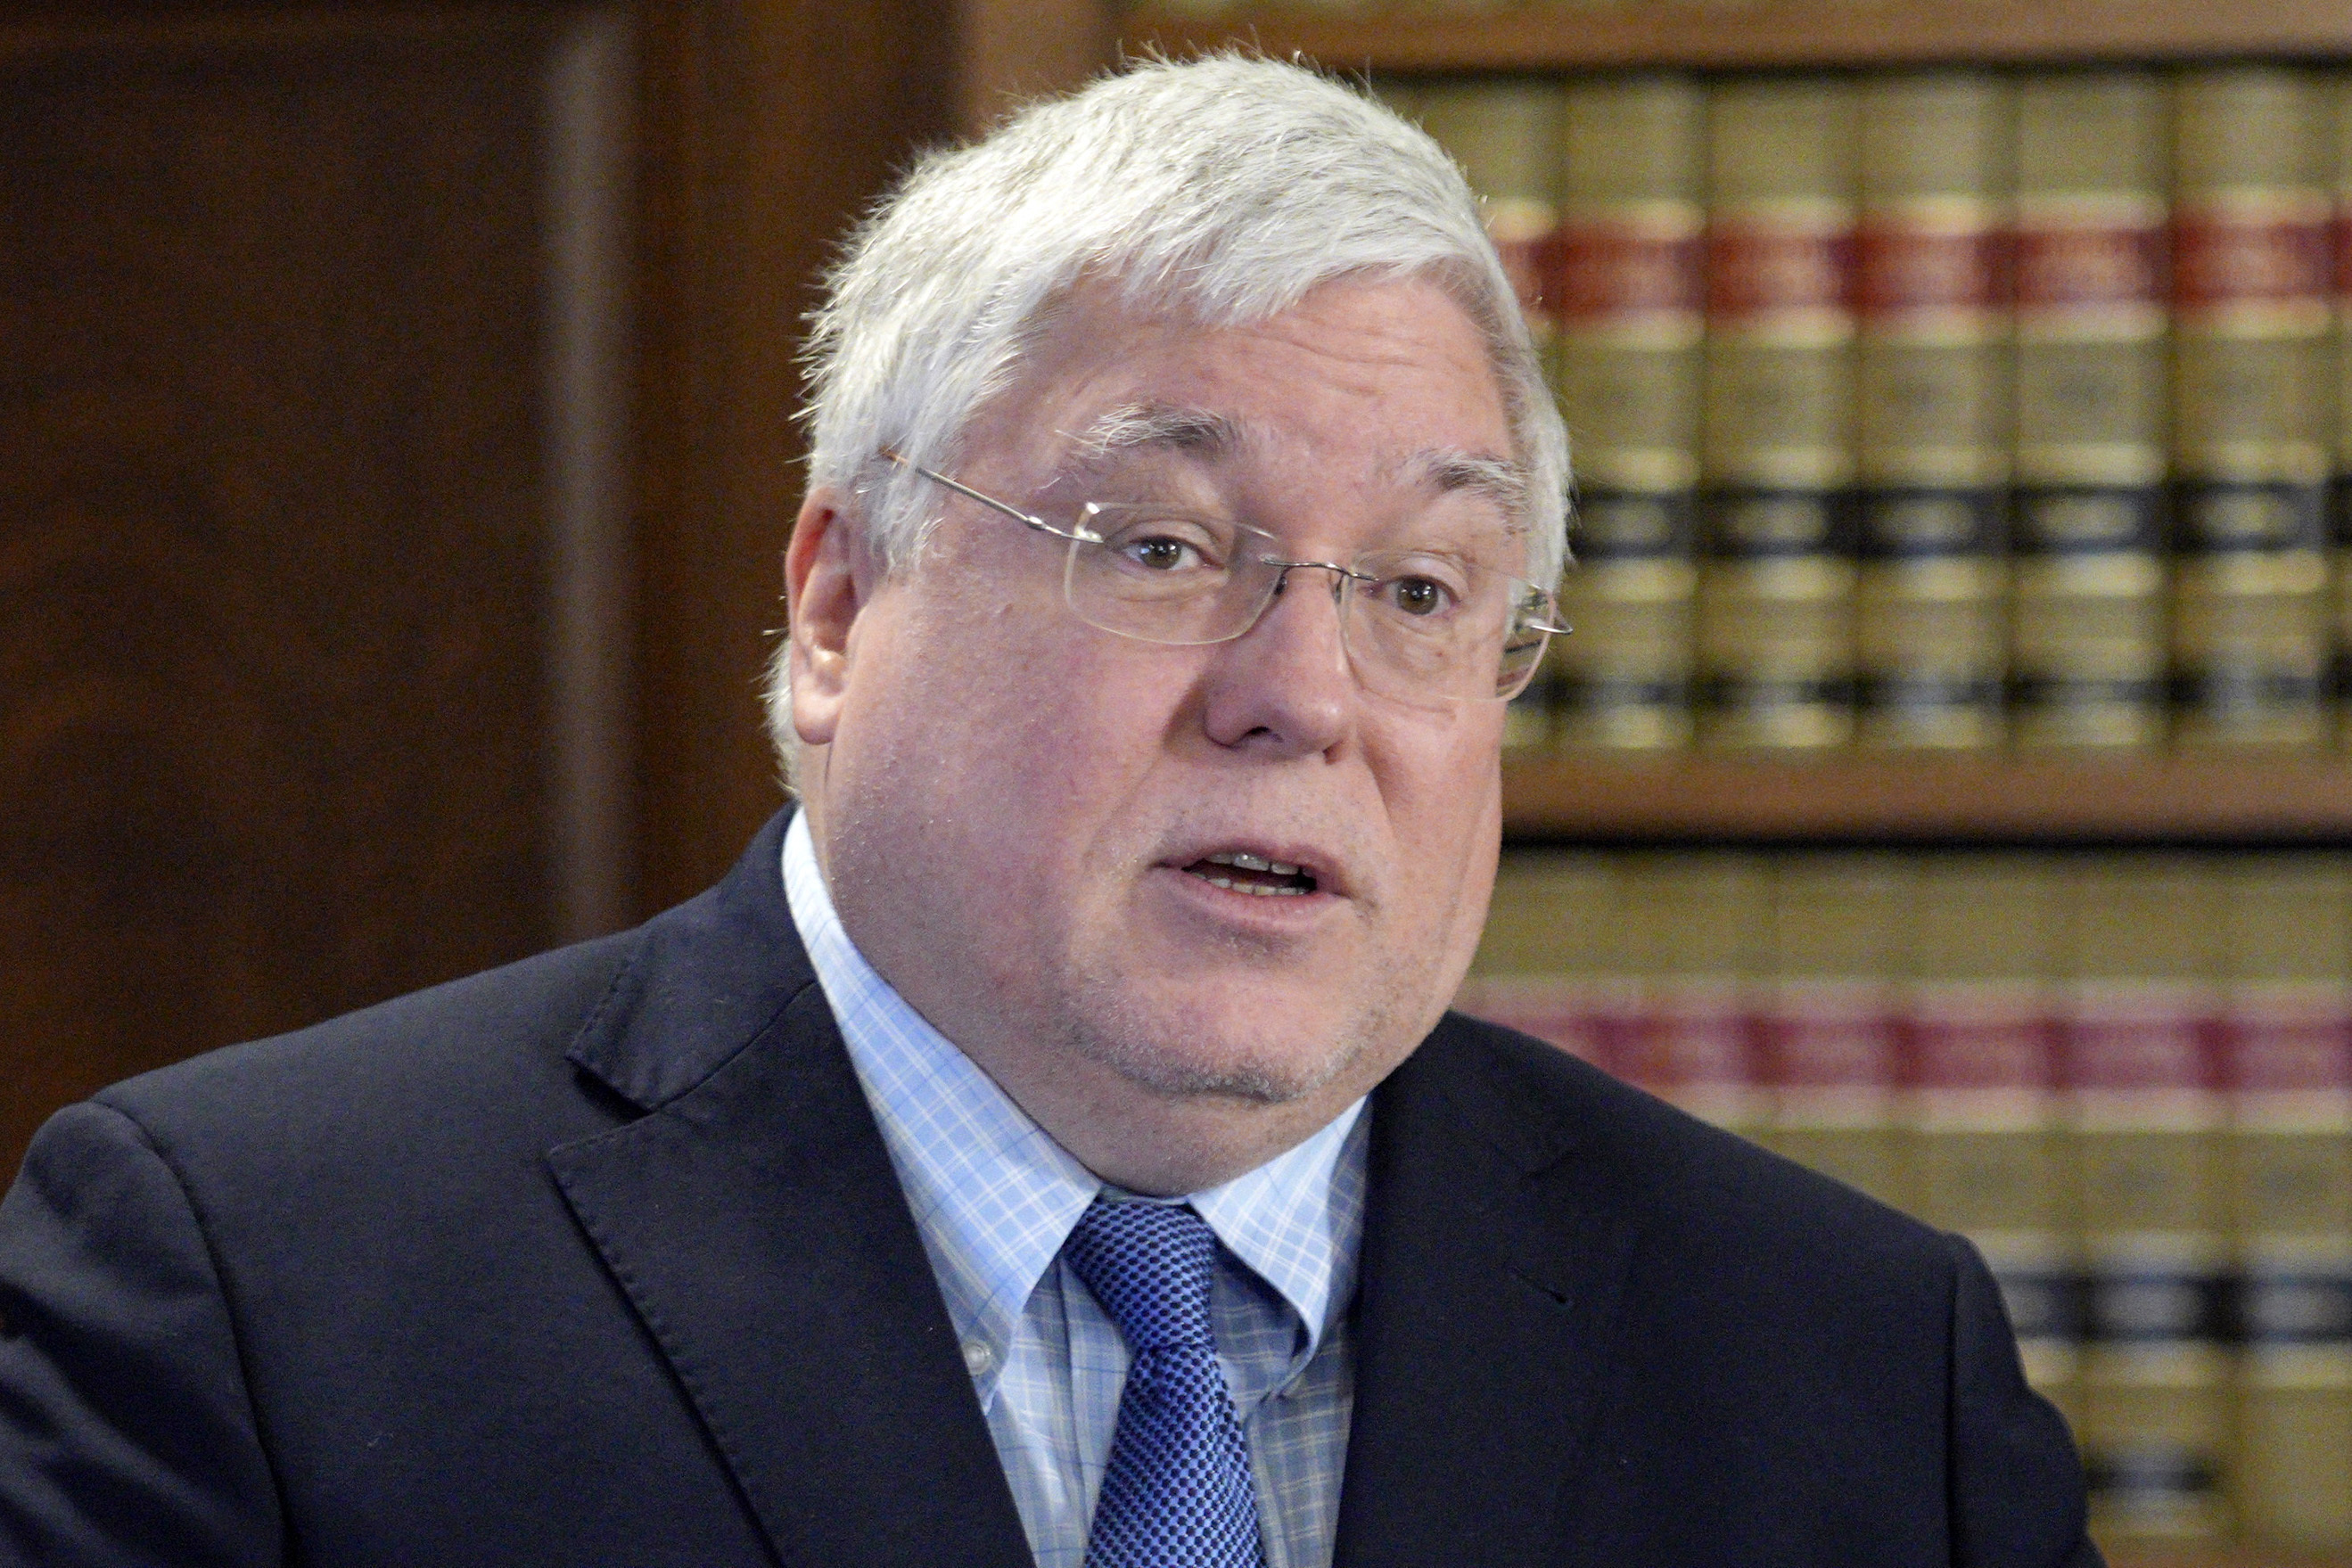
(1177, 1492)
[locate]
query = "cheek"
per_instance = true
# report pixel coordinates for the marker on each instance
(1443, 793)
(1014, 732)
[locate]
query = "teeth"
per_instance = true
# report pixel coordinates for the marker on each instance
(1257, 889)
(1248, 861)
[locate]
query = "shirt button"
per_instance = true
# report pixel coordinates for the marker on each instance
(977, 1357)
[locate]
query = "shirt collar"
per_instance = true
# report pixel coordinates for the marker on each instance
(994, 1197)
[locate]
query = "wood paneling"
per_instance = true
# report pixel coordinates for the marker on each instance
(770, 125)
(275, 529)
(1010, 50)
(1768, 33)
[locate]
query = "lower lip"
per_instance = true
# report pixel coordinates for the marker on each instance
(1266, 911)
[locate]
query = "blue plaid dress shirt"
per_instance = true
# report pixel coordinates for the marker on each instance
(994, 1199)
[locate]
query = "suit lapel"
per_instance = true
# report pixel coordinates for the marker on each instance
(752, 1218)
(1488, 1314)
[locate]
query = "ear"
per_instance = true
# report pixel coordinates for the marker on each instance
(828, 576)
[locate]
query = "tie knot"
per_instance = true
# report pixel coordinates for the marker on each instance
(1149, 1264)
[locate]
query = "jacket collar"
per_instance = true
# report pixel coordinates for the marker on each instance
(752, 1219)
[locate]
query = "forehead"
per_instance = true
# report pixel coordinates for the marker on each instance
(1363, 385)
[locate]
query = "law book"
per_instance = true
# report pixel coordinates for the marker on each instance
(1827, 1028)
(2145, 1119)
(1932, 397)
(1626, 291)
(1776, 579)
(1551, 962)
(2337, 86)
(2088, 650)
(1694, 925)
(2286, 1062)
(1988, 1153)
(2253, 277)
(1505, 133)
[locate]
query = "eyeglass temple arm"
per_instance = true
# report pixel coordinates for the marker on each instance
(1080, 536)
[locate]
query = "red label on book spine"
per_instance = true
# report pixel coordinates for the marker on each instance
(2137, 1040)
(1609, 270)
(1829, 1037)
(1758, 267)
(2252, 252)
(2290, 1041)
(1696, 1038)
(1989, 1039)
(1925, 268)
(2061, 268)
(2340, 237)
(1576, 1016)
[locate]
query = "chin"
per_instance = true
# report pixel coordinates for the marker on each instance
(1204, 1051)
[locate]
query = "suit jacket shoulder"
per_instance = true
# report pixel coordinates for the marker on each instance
(596, 1258)
(1596, 1330)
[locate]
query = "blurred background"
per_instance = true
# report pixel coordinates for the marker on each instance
(1945, 785)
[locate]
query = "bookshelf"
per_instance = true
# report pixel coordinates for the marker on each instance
(2249, 796)
(1565, 37)
(2229, 798)
(2211, 799)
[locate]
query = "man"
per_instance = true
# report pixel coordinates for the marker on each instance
(1049, 1144)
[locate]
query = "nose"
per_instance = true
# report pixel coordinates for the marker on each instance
(1284, 686)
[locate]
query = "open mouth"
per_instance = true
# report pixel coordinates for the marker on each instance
(1237, 870)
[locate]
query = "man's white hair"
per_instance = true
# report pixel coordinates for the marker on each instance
(1219, 191)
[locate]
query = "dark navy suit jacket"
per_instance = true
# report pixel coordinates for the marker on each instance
(599, 1259)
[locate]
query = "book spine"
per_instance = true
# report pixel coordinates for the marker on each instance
(2087, 650)
(1694, 1047)
(1827, 1036)
(1699, 919)
(2287, 1053)
(1584, 1018)
(1776, 579)
(1931, 611)
(1626, 290)
(1546, 961)
(2286, 1060)
(1505, 133)
(1989, 1158)
(2338, 85)
(2252, 279)
(1988, 1154)
(2145, 1111)
(2155, 1409)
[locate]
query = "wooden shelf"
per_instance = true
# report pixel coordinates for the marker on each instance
(1559, 36)
(2216, 799)
(2224, 1557)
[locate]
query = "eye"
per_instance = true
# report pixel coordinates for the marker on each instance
(1160, 552)
(1417, 595)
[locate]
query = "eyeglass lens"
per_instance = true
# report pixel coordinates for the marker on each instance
(1419, 627)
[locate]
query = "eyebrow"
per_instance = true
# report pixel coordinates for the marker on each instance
(1498, 479)
(1158, 427)
(1198, 433)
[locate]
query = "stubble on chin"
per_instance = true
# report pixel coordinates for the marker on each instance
(1151, 1043)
